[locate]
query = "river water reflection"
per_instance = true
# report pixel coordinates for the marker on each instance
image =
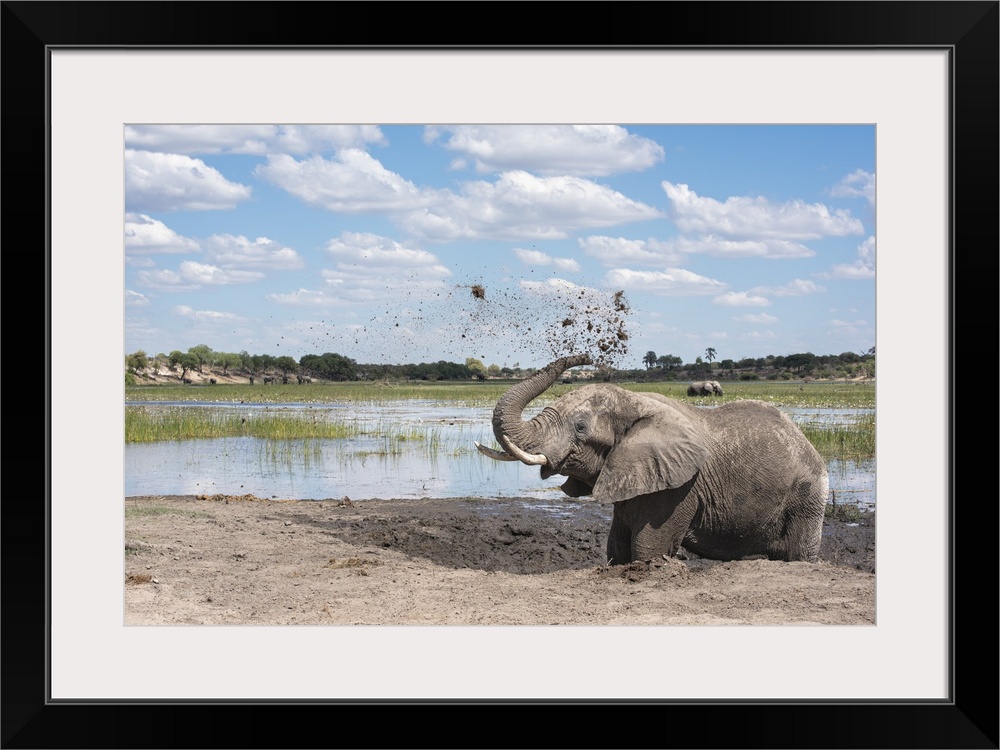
(439, 458)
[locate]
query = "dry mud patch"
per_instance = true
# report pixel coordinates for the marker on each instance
(244, 560)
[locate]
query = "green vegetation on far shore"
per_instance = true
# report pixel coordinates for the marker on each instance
(818, 394)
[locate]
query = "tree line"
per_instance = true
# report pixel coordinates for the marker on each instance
(772, 367)
(327, 366)
(337, 367)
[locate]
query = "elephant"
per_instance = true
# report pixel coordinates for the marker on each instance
(735, 482)
(705, 388)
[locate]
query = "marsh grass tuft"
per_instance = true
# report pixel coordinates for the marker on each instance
(854, 441)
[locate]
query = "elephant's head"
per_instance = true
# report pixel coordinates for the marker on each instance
(612, 443)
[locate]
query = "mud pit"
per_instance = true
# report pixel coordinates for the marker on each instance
(465, 561)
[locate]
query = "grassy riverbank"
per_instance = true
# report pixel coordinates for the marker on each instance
(853, 440)
(819, 394)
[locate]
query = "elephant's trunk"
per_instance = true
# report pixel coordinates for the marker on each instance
(514, 434)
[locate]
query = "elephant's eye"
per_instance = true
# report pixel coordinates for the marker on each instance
(581, 426)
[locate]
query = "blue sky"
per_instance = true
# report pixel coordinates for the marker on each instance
(367, 240)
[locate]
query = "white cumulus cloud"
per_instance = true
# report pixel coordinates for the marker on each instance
(250, 139)
(756, 218)
(144, 235)
(741, 299)
(135, 299)
(231, 251)
(352, 181)
(672, 282)
(591, 150)
(862, 268)
(762, 318)
(519, 206)
(369, 266)
(794, 288)
(206, 316)
(615, 251)
(157, 181)
(191, 275)
(858, 184)
(538, 258)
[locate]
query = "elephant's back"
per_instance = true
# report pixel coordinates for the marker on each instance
(765, 430)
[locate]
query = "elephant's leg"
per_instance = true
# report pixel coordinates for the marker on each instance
(619, 540)
(663, 522)
(803, 534)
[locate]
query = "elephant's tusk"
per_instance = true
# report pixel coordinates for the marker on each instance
(532, 459)
(494, 454)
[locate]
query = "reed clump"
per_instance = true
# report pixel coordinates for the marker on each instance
(847, 441)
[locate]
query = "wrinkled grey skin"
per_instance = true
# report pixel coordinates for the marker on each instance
(737, 481)
(705, 388)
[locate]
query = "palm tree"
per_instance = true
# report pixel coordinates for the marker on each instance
(649, 359)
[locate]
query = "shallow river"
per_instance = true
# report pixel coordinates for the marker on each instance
(439, 458)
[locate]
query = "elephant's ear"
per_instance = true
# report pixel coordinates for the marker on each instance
(660, 451)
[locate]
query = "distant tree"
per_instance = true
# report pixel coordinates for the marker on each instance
(183, 360)
(476, 366)
(137, 360)
(649, 359)
(727, 364)
(802, 361)
(493, 371)
(246, 362)
(669, 362)
(710, 354)
(225, 360)
(203, 353)
(286, 364)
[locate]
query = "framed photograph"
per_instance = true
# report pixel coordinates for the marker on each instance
(922, 75)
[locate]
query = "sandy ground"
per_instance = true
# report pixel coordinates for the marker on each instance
(235, 560)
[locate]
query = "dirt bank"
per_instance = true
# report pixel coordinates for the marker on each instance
(231, 560)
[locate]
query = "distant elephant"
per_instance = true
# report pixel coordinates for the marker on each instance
(728, 483)
(268, 379)
(705, 388)
(251, 380)
(211, 381)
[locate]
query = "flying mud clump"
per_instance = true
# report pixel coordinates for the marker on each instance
(504, 320)
(592, 326)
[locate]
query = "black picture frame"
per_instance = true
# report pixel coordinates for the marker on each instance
(969, 30)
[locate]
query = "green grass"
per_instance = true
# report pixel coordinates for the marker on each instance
(823, 395)
(784, 393)
(372, 392)
(143, 425)
(851, 442)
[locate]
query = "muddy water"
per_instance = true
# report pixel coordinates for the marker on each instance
(440, 462)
